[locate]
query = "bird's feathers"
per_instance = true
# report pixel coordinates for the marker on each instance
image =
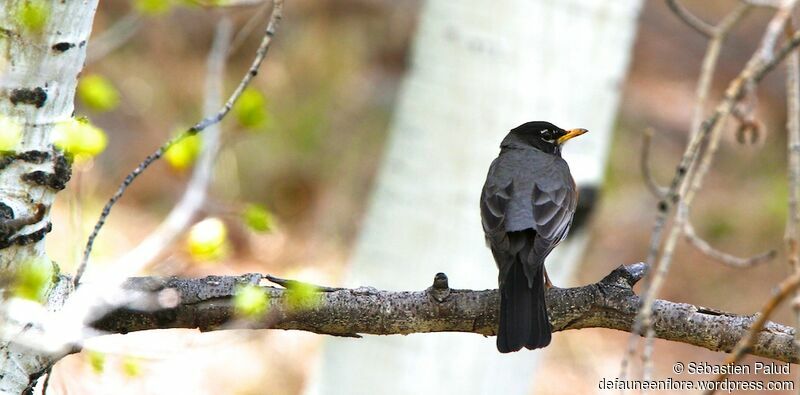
(523, 314)
(527, 206)
(528, 189)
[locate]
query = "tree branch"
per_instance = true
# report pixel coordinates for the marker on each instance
(722, 256)
(185, 210)
(610, 303)
(785, 288)
(644, 166)
(694, 163)
(690, 19)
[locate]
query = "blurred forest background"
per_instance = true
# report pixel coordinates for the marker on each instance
(330, 83)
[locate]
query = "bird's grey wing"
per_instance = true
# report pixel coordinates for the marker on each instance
(554, 200)
(553, 208)
(495, 199)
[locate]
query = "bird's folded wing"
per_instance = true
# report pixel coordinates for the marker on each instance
(553, 208)
(494, 204)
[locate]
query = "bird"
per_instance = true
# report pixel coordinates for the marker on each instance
(527, 205)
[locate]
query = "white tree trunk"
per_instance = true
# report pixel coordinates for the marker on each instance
(39, 72)
(478, 70)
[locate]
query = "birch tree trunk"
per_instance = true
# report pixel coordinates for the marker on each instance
(478, 70)
(39, 66)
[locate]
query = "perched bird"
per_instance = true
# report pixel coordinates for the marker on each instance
(527, 205)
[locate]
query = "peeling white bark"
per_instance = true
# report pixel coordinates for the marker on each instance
(38, 77)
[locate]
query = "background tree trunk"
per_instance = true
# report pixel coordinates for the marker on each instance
(477, 71)
(39, 67)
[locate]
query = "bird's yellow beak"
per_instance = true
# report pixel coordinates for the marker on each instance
(570, 134)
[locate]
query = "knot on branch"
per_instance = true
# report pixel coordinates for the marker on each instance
(440, 289)
(440, 281)
(626, 275)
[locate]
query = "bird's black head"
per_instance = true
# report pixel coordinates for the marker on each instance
(541, 135)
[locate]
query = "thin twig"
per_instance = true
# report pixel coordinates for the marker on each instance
(725, 258)
(690, 19)
(793, 154)
(775, 27)
(697, 136)
(685, 182)
(711, 145)
(193, 198)
(694, 166)
(755, 70)
(647, 354)
(261, 53)
(792, 235)
(744, 345)
(709, 65)
(248, 28)
(711, 142)
(763, 3)
(114, 37)
(644, 163)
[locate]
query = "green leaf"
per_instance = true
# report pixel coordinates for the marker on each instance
(79, 138)
(302, 296)
(33, 14)
(98, 93)
(33, 279)
(131, 366)
(251, 109)
(97, 361)
(208, 240)
(250, 301)
(10, 134)
(258, 218)
(153, 7)
(185, 152)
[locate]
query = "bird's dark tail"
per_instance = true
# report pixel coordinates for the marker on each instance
(523, 314)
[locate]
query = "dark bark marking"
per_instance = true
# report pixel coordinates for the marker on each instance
(63, 46)
(35, 97)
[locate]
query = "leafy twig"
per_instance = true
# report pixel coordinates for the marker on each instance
(181, 215)
(261, 53)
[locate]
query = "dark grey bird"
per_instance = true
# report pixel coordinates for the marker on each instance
(527, 206)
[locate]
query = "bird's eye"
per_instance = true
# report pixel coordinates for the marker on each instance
(546, 134)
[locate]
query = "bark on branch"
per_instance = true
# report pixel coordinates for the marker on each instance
(610, 303)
